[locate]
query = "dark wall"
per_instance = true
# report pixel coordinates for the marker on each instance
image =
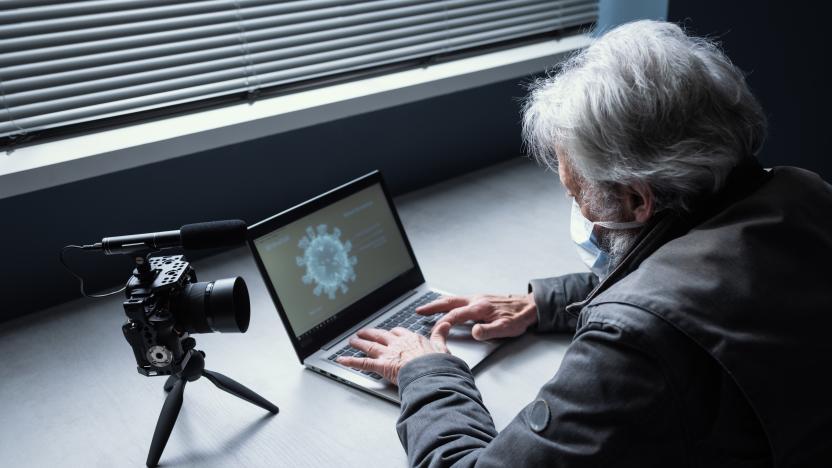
(413, 145)
(784, 48)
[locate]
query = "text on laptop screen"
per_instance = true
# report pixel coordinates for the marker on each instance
(326, 261)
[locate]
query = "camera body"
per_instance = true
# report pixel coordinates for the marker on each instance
(165, 305)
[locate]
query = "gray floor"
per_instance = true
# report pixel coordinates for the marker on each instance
(70, 394)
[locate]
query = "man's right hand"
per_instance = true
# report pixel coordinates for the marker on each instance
(497, 316)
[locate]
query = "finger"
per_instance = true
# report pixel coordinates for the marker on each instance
(487, 331)
(442, 305)
(375, 334)
(399, 331)
(363, 363)
(371, 348)
(464, 314)
(439, 335)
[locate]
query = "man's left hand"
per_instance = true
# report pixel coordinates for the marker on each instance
(388, 351)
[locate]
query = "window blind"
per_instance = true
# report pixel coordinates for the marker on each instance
(68, 62)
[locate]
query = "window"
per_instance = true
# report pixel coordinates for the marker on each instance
(71, 66)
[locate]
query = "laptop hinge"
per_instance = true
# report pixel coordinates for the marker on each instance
(369, 319)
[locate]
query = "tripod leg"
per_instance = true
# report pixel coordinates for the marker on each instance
(167, 418)
(169, 383)
(238, 390)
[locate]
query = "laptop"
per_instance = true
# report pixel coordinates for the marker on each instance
(341, 262)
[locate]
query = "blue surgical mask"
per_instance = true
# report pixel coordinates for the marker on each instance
(581, 229)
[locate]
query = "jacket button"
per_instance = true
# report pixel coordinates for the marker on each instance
(539, 415)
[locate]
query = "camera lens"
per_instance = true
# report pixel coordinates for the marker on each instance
(218, 306)
(228, 306)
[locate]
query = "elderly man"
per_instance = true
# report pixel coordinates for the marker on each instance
(702, 331)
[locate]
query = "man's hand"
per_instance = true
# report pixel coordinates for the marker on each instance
(499, 316)
(388, 351)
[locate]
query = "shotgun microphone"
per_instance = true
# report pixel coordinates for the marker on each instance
(190, 237)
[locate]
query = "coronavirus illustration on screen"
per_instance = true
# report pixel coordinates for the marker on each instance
(327, 261)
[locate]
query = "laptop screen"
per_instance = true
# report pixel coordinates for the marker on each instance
(322, 263)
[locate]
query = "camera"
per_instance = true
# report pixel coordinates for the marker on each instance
(166, 304)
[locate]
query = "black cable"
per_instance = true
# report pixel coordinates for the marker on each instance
(81, 280)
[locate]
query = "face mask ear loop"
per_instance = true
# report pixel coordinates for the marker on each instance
(576, 213)
(616, 225)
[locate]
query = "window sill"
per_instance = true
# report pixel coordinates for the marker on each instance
(68, 160)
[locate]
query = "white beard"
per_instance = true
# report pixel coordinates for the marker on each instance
(614, 241)
(618, 243)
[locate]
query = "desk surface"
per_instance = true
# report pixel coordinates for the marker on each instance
(70, 394)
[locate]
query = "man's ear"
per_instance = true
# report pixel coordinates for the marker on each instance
(638, 201)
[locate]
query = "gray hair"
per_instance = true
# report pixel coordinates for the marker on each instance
(646, 103)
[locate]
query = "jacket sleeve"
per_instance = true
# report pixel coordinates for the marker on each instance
(607, 405)
(552, 295)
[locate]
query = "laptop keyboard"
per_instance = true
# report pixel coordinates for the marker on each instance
(405, 318)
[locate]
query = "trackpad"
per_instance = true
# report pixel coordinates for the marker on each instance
(461, 332)
(463, 345)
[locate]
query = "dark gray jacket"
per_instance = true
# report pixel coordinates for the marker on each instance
(707, 346)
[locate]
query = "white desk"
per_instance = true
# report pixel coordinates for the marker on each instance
(70, 394)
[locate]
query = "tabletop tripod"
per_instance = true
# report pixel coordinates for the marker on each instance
(175, 385)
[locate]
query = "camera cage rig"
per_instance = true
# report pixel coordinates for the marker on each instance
(160, 348)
